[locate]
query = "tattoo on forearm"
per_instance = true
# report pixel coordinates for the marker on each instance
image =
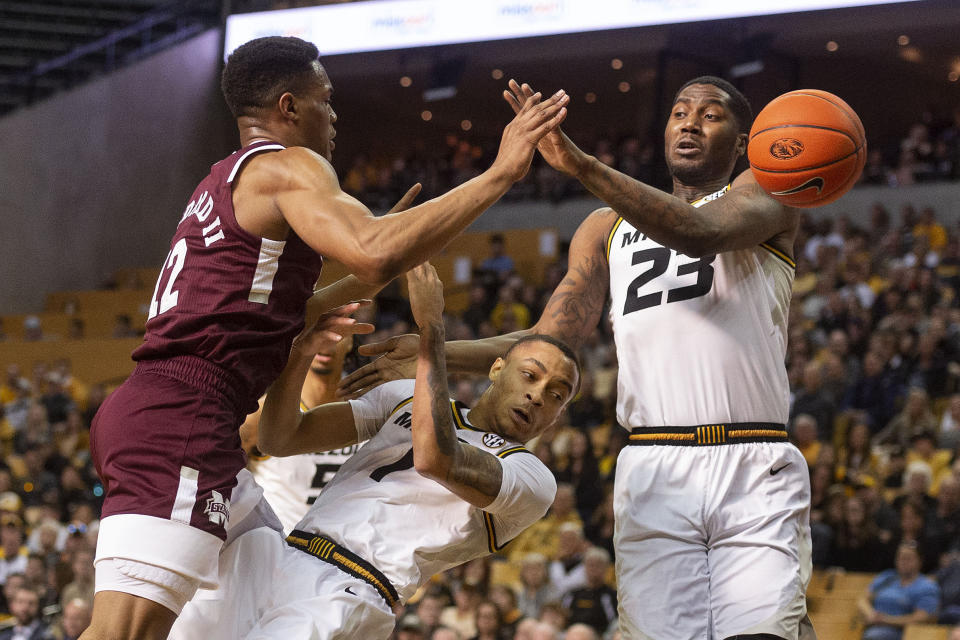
(440, 396)
(472, 467)
(478, 469)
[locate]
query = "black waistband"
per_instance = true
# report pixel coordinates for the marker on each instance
(329, 551)
(709, 434)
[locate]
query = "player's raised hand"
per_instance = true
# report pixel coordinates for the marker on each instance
(534, 119)
(321, 338)
(426, 295)
(407, 199)
(398, 360)
(555, 147)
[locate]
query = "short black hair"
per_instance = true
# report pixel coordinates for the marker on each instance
(738, 102)
(559, 344)
(261, 70)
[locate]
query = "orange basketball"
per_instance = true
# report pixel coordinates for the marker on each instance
(807, 148)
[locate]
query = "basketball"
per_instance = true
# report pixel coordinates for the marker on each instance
(807, 148)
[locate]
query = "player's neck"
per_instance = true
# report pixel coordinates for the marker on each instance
(255, 130)
(692, 193)
(318, 388)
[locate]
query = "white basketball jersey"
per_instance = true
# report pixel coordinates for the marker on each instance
(409, 527)
(699, 341)
(291, 484)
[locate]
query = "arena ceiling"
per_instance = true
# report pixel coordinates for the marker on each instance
(49, 45)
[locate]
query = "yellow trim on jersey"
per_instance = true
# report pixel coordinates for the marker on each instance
(458, 419)
(303, 405)
(491, 534)
(401, 405)
(779, 254)
(616, 225)
(512, 450)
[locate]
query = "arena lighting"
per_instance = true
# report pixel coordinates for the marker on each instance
(380, 25)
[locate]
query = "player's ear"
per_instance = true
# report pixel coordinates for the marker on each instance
(742, 140)
(287, 105)
(495, 370)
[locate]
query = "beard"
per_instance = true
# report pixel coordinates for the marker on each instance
(692, 173)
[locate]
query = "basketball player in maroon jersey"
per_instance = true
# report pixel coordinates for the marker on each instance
(230, 299)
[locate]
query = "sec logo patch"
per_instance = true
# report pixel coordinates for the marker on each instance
(493, 441)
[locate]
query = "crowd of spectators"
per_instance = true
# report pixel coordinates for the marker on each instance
(874, 368)
(928, 152)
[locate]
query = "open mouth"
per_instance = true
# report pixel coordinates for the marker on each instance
(687, 146)
(521, 416)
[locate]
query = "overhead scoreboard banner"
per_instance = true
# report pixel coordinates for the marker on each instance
(380, 25)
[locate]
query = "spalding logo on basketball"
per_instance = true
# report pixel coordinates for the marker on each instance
(807, 148)
(786, 148)
(493, 441)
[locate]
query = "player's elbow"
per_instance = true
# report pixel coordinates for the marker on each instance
(697, 245)
(272, 443)
(432, 467)
(376, 268)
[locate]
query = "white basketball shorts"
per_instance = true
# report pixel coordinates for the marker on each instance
(271, 590)
(712, 541)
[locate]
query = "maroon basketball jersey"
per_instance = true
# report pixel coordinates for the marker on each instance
(225, 295)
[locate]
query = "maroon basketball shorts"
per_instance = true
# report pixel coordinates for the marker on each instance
(167, 448)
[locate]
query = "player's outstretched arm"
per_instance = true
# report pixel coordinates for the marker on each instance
(471, 474)
(377, 249)
(351, 288)
(742, 219)
(283, 430)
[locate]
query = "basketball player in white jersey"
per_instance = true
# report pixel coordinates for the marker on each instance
(712, 504)
(437, 485)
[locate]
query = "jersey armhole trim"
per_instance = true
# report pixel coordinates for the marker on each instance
(779, 254)
(616, 225)
(247, 154)
(400, 405)
(458, 419)
(492, 534)
(513, 450)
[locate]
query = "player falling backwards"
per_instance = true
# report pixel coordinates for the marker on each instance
(437, 485)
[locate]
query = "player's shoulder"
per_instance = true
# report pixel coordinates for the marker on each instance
(745, 185)
(391, 396)
(595, 229)
(289, 168)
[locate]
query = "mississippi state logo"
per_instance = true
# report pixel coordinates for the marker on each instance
(218, 509)
(786, 148)
(493, 441)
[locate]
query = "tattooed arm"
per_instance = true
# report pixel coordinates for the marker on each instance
(571, 315)
(576, 304)
(471, 474)
(743, 218)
